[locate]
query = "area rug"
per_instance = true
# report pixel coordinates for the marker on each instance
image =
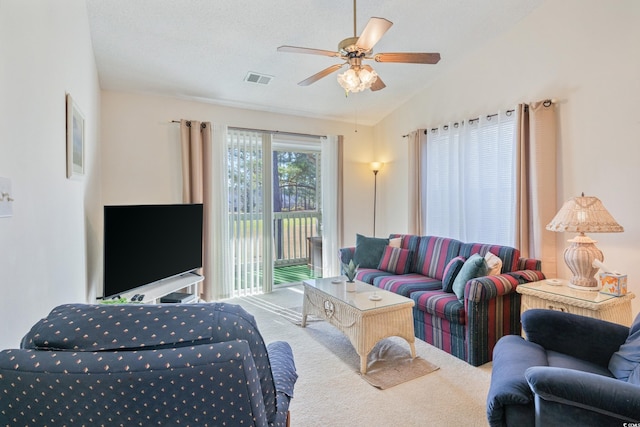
(389, 362)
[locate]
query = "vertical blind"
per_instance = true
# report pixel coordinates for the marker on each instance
(470, 179)
(249, 220)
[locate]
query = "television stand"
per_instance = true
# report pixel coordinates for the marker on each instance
(156, 290)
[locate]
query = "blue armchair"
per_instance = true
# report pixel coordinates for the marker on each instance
(571, 370)
(133, 364)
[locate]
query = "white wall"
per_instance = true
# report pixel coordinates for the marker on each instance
(585, 54)
(141, 150)
(45, 52)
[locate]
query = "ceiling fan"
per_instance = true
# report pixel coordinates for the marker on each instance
(354, 50)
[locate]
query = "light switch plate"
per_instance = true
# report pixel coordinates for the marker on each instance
(6, 198)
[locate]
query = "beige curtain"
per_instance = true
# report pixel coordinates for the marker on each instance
(416, 220)
(537, 171)
(195, 140)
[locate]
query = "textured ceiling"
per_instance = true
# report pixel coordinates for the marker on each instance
(203, 49)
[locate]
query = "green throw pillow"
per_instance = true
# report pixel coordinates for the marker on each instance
(369, 251)
(474, 266)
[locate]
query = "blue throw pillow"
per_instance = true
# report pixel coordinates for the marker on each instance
(369, 251)
(451, 271)
(474, 266)
(625, 363)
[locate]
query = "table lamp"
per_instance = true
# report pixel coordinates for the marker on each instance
(579, 215)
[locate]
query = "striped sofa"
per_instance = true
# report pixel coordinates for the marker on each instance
(467, 329)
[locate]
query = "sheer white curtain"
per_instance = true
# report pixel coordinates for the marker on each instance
(470, 180)
(221, 281)
(332, 233)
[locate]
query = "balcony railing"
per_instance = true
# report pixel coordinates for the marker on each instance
(291, 233)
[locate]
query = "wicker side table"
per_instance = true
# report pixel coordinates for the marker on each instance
(561, 297)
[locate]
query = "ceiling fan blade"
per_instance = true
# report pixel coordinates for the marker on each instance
(411, 58)
(320, 75)
(378, 84)
(373, 32)
(295, 49)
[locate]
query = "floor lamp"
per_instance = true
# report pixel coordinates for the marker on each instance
(375, 167)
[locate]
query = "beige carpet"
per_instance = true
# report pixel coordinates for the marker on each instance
(389, 363)
(331, 392)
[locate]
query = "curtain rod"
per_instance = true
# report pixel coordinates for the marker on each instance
(546, 103)
(267, 131)
(456, 124)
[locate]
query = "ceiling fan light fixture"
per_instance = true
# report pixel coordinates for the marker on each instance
(368, 77)
(354, 50)
(354, 80)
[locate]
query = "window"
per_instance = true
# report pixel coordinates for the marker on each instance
(470, 182)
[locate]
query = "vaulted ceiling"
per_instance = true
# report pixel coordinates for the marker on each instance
(204, 49)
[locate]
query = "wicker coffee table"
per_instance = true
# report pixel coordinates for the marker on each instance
(363, 321)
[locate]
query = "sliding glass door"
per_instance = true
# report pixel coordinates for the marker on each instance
(297, 237)
(274, 220)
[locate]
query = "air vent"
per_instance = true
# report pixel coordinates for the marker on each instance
(261, 79)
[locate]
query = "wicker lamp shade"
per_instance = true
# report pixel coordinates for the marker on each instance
(579, 215)
(584, 215)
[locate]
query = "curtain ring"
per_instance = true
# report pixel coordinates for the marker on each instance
(547, 103)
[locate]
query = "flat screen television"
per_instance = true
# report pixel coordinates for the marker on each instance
(147, 243)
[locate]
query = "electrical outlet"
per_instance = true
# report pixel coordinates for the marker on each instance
(6, 198)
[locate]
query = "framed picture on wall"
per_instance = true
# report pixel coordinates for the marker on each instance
(75, 140)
